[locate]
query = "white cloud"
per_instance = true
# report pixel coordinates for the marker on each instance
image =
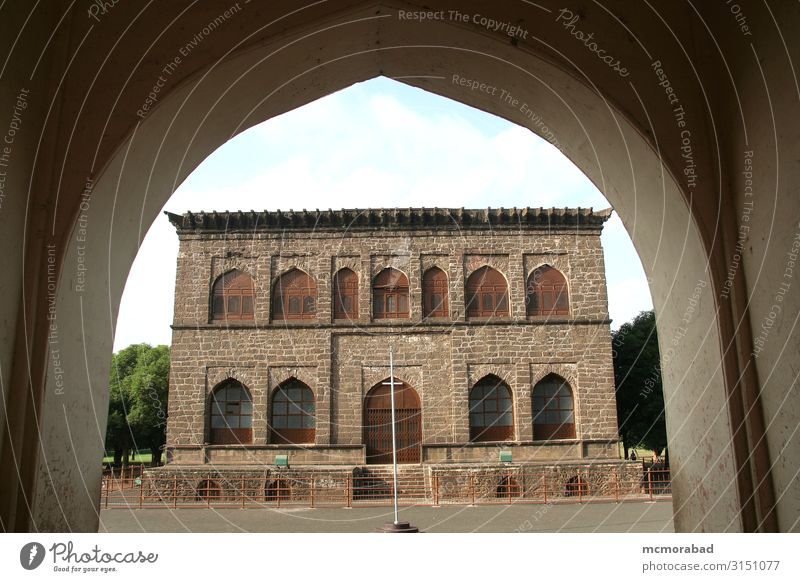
(376, 144)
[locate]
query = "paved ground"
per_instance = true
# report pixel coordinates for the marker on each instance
(590, 517)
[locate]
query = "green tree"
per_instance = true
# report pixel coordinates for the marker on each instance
(138, 401)
(637, 373)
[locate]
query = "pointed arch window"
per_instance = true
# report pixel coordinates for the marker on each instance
(231, 414)
(294, 297)
(553, 409)
(232, 297)
(435, 293)
(345, 294)
(293, 414)
(546, 292)
(490, 411)
(487, 293)
(390, 295)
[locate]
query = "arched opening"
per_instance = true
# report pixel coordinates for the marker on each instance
(378, 423)
(553, 409)
(546, 293)
(294, 297)
(576, 486)
(491, 411)
(675, 235)
(507, 488)
(277, 490)
(435, 295)
(487, 294)
(230, 414)
(232, 297)
(208, 490)
(345, 294)
(292, 414)
(390, 295)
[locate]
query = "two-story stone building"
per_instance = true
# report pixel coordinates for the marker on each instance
(498, 320)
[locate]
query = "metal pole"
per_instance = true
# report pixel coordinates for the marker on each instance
(394, 434)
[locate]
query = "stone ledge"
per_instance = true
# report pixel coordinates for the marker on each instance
(389, 219)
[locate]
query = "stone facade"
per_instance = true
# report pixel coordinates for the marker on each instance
(340, 361)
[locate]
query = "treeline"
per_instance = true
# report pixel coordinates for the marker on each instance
(637, 374)
(137, 411)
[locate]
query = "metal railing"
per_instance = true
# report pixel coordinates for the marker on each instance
(347, 490)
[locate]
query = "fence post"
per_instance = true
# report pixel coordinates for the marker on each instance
(472, 487)
(174, 491)
(650, 483)
(313, 481)
(580, 487)
(241, 490)
(436, 489)
(544, 480)
(349, 490)
(616, 486)
(141, 492)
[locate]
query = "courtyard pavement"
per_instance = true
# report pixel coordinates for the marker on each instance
(632, 517)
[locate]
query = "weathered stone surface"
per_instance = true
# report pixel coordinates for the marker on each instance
(441, 359)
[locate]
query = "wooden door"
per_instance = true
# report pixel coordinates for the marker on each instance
(378, 424)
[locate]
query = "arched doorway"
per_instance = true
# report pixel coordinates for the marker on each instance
(378, 423)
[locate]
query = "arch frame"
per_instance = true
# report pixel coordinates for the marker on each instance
(742, 457)
(208, 436)
(509, 302)
(514, 430)
(576, 432)
(409, 424)
(433, 313)
(275, 437)
(567, 287)
(275, 297)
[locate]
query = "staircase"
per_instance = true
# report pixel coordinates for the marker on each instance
(372, 484)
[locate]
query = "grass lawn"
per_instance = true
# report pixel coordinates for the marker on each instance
(641, 453)
(143, 456)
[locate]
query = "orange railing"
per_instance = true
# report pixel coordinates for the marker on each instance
(346, 490)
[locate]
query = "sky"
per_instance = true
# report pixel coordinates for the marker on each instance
(376, 144)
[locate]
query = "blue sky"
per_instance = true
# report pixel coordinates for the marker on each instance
(376, 144)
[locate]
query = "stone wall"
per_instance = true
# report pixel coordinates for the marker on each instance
(432, 484)
(441, 360)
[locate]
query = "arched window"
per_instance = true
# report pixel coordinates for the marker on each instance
(546, 292)
(231, 414)
(434, 293)
(390, 295)
(490, 411)
(487, 293)
(294, 296)
(345, 295)
(292, 418)
(553, 409)
(232, 297)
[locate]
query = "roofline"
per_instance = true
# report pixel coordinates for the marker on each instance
(389, 218)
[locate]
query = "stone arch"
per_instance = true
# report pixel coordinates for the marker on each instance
(579, 101)
(215, 375)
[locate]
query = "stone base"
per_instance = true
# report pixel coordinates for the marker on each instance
(399, 527)
(431, 484)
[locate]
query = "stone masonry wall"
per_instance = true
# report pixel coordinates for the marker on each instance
(441, 360)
